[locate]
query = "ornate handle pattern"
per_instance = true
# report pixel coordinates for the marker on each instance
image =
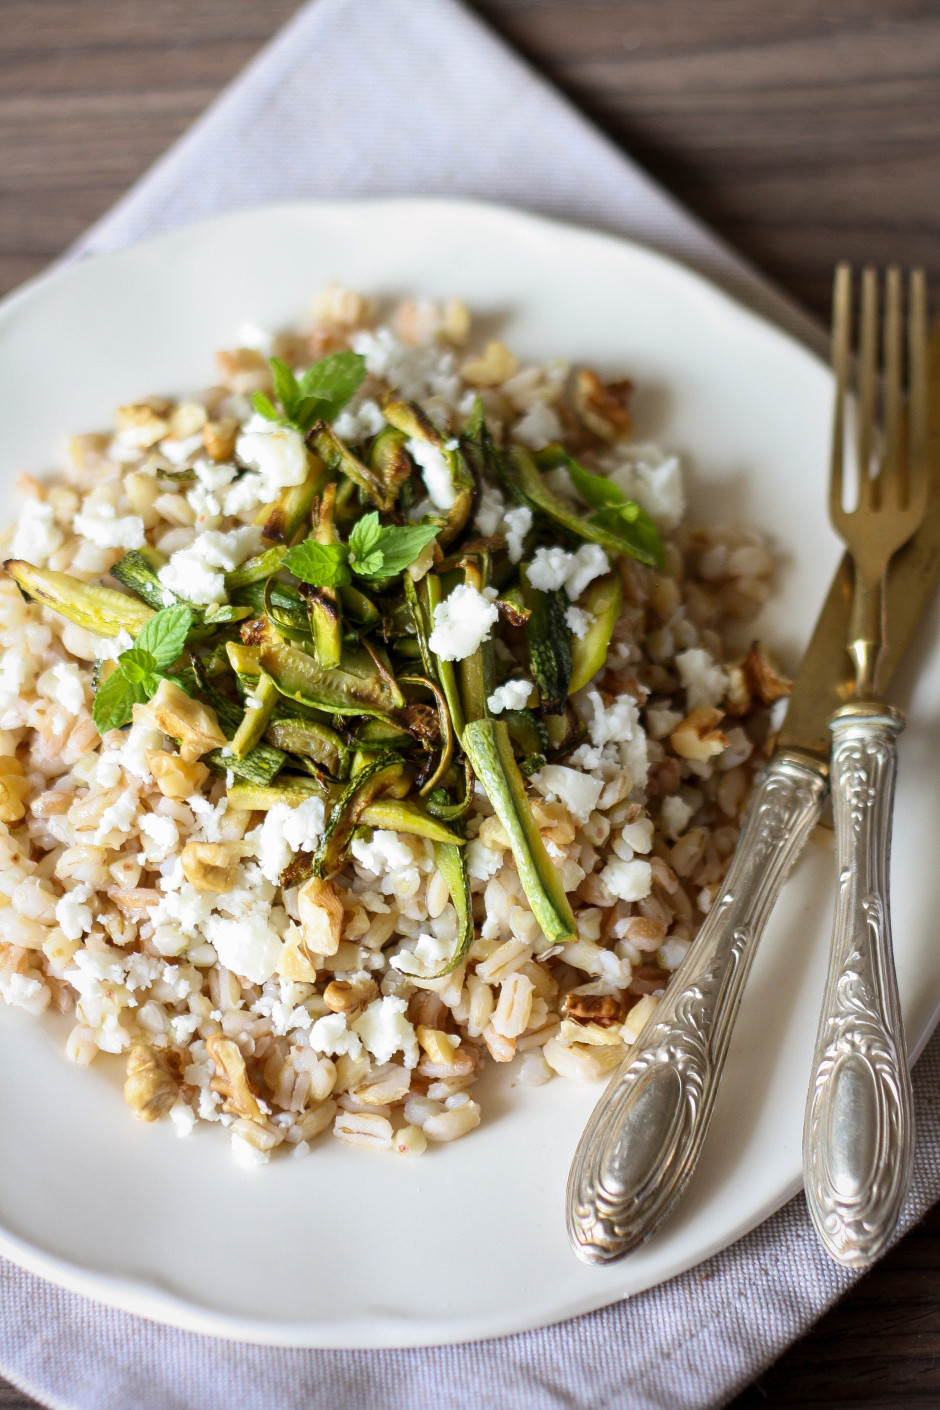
(858, 1134)
(643, 1139)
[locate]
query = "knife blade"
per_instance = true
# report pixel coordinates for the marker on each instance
(644, 1137)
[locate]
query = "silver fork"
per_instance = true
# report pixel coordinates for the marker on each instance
(858, 1133)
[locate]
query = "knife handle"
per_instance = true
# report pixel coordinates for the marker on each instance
(858, 1133)
(643, 1139)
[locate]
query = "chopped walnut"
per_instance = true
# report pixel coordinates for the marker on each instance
(754, 680)
(347, 996)
(190, 721)
(602, 1009)
(219, 438)
(145, 422)
(149, 1088)
(211, 866)
(496, 364)
(697, 737)
(602, 406)
(321, 916)
(175, 777)
(231, 1079)
(244, 370)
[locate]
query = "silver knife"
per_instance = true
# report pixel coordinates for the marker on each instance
(643, 1138)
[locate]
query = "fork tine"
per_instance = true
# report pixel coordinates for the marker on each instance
(841, 341)
(892, 474)
(917, 457)
(867, 371)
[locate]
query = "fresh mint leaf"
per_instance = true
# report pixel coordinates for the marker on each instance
(265, 406)
(330, 383)
(285, 386)
(320, 394)
(400, 547)
(372, 566)
(322, 564)
(377, 552)
(364, 538)
(137, 666)
(164, 636)
(115, 698)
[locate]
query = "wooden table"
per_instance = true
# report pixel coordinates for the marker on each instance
(803, 131)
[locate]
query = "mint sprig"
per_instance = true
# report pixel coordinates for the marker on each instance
(322, 564)
(319, 395)
(141, 668)
(373, 552)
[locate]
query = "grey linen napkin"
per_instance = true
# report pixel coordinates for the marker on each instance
(445, 110)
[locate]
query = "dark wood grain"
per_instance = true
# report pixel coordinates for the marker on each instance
(803, 131)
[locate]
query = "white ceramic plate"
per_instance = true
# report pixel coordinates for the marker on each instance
(346, 1248)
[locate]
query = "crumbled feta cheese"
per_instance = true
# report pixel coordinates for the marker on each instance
(139, 741)
(578, 621)
(516, 524)
(161, 836)
(549, 568)
(248, 1156)
(490, 510)
(304, 826)
(510, 696)
(704, 680)
(482, 862)
(14, 671)
(675, 814)
(278, 455)
(109, 648)
(286, 830)
(435, 472)
(331, 1036)
(385, 1030)
(383, 851)
(639, 835)
(197, 573)
(357, 422)
(19, 990)
(116, 818)
(462, 622)
(537, 427)
(247, 946)
(73, 913)
(98, 522)
(628, 881)
(112, 1037)
(63, 684)
(416, 373)
(590, 562)
(37, 535)
(183, 1118)
(577, 791)
(655, 482)
(178, 451)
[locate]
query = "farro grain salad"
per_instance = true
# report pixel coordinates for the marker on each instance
(365, 719)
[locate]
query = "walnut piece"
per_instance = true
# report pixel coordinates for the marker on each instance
(697, 737)
(231, 1079)
(211, 866)
(175, 778)
(190, 721)
(602, 406)
(321, 916)
(149, 1088)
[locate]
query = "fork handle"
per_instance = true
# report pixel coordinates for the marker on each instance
(858, 1133)
(643, 1139)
